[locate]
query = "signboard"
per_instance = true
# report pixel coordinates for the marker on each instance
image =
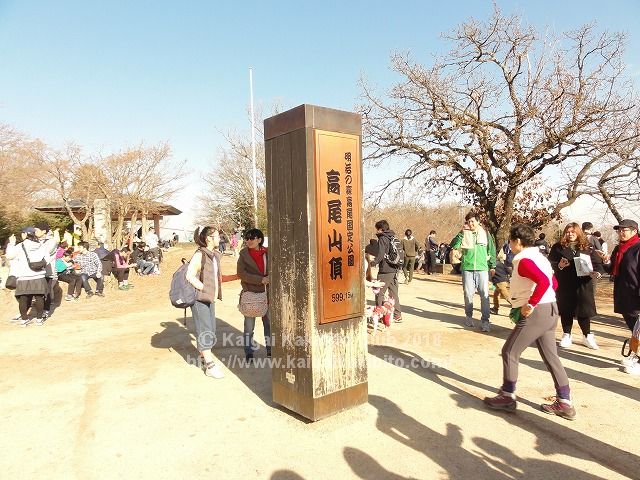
(338, 171)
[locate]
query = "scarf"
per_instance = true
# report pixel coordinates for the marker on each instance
(622, 248)
(258, 257)
(467, 238)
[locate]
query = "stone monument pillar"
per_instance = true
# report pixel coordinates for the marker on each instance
(102, 220)
(314, 201)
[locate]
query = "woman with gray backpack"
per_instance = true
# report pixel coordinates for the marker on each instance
(205, 275)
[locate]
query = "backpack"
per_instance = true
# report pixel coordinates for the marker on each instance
(181, 293)
(394, 257)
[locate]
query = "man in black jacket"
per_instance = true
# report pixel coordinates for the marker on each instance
(624, 266)
(387, 272)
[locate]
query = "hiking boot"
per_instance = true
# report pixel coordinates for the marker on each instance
(211, 369)
(494, 311)
(468, 321)
(486, 327)
(565, 341)
(502, 401)
(560, 408)
(590, 341)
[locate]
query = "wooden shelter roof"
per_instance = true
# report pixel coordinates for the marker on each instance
(78, 206)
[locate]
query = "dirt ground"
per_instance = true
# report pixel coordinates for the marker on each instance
(107, 389)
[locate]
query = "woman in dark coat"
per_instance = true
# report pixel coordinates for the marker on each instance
(254, 277)
(575, 294)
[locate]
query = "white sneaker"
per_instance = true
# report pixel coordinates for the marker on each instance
(24, 323)
(565, 341)
(590, 341)
(40, 321)
(630, 360)
(213, 370)
(17, 318)
(633, 369)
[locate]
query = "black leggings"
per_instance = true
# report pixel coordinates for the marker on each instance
(567, 323)
(25, 301)
(630, 319)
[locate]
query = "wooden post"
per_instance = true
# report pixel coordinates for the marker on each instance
(314, 199)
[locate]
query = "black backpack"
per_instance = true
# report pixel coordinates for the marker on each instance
(395, 254)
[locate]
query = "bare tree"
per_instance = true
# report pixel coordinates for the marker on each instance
(229, 198)
(137, 181)
(504, 112)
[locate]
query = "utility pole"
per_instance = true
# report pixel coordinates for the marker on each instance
(253, 153)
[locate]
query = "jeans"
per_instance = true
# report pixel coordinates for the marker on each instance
(473, 280)
(99, 282)
(204, 316)
(145, 267)
(249, 325)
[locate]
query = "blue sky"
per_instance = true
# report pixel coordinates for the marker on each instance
(107, 74)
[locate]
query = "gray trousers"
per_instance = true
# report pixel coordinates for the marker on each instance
(539, 327)
(391, 282)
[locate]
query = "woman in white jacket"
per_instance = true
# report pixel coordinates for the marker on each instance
(31, 285)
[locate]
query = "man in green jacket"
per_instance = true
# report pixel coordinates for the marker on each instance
(478, 259)
(410, 247)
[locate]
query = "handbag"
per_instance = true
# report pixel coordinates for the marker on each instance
(11, 282)
(35, 266)
(253, 304)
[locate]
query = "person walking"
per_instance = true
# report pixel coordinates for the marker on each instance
(478, 260)
(576, 294)
(410, 246)
(500, 280)
(205, 275)
(624, 267)
(387, 271)
(536, 317)
(253, 272)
